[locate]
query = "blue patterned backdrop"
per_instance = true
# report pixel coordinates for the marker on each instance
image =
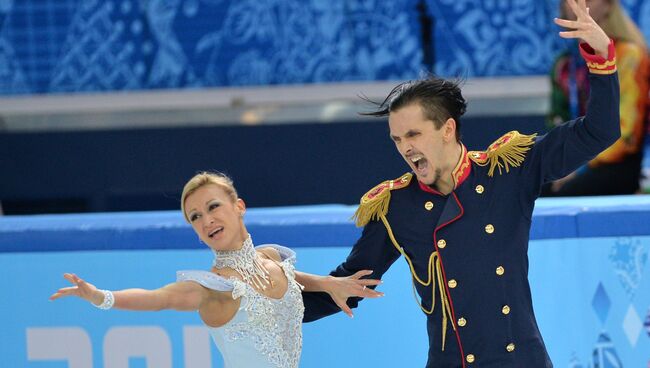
(504, 37)
(494, 37)
(52, 46)
(69, 46)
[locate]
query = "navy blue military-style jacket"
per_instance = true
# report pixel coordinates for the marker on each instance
(468, 250)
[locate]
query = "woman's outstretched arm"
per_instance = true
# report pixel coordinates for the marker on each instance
(182, 296)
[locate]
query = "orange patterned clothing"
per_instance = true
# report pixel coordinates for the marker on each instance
(633, 69)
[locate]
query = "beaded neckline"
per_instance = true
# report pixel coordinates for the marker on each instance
(245, 262)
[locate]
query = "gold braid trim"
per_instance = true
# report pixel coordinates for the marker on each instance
(374, 203)
(605, 65)
(603, 72)
(433, 268)
(507, 151)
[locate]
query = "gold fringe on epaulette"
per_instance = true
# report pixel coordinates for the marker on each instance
(374, 204)
(372, 209)
(510, 154)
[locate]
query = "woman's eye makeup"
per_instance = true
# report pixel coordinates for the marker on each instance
(211, 206)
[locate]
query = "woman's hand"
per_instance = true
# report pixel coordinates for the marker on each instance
(585, 28)
(81, 288)
(341, 288)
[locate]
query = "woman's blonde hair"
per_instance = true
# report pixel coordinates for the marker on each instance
(619, 26)
(204, 178)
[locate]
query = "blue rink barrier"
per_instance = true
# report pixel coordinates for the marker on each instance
(589, 274)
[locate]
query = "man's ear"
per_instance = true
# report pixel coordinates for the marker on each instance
(449, 130)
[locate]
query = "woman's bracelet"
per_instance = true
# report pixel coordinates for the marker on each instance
(108, 302)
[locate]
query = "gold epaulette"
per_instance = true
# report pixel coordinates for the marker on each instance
(374, 203)
(507, 151)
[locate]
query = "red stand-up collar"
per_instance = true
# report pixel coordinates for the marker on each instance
(459, 174)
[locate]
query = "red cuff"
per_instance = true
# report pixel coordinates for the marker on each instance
(596, 63)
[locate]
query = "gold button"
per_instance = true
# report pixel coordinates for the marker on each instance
(452, 283)
(428, 205)
(505, 309)
(462, 322)
(500, 270)
(480, 189)
(489, 228)
(510, 347)
(442, 243)
(470, 358)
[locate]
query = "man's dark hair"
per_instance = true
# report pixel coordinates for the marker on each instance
(439, 98)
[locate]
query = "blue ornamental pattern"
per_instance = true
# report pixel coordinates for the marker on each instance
(629, 257)
(13, 79)
(494, 37)
(129, 44)
(169, 66)
(51, 46)
(101, 50)
(250, 42)
(480, 38)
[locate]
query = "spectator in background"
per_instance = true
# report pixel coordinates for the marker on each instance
(617, 169)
